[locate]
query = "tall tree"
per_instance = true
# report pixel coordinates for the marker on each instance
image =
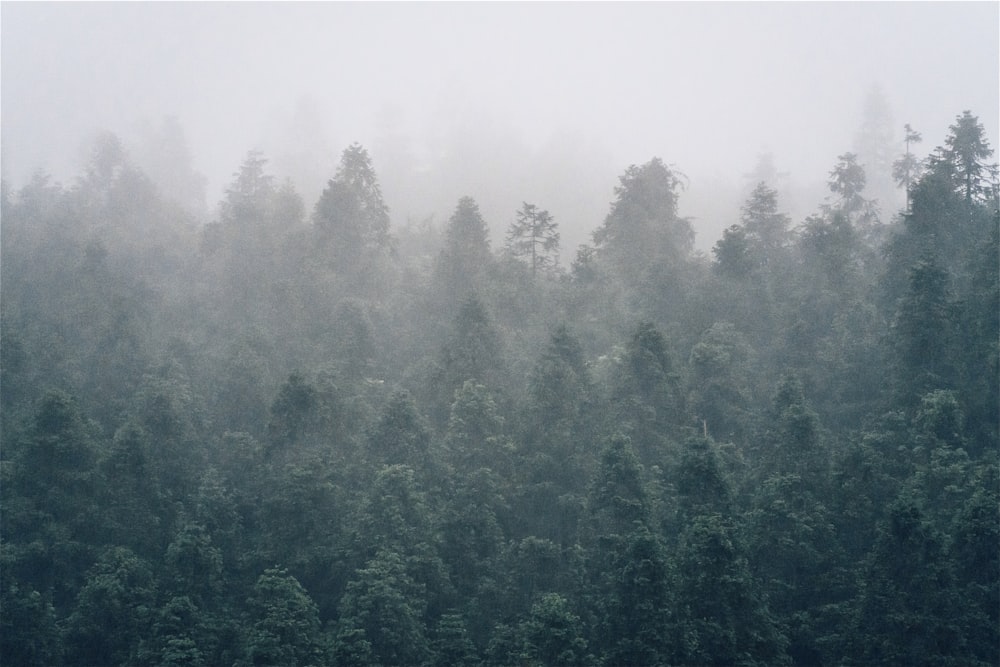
(249, 196)
(381, 616)
(113, 610)
(963, 159)
(351, 217)
(643, 237)
(284, 626)
(533, 236)
(472, 352)
(873, 143)
(907, 611)
(923, 333)
(906, 168)
(466, 252)
(646, 394)
(847, 183)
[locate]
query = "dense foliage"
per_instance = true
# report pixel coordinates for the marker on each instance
(294, 438)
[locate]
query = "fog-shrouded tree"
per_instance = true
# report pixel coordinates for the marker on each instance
(924, 332)
(751, 251)
(847, 183)
(248, 197)
(643, 238)
(465, 257)
(906, 168)
(873, 143)
(351, 217)
(472, 351)
(534, 237)
(963, 159)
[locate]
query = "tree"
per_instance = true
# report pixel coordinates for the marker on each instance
(29, 635)
(643, 218)
(720, 389)
(791, 440)
(618, 501)
(132, 494)
(560, 394)
(533, 235)
(113, 611)
(847, 183)
(284, 622)
(977, 566)
(907, 611)
(553, 634)
(723, 619)
(636, 624)
(292, 413)
(472, 352)
(644, 239)
(475, 434)
(906, 169)
(381, 616)
(794, 554)
(922, 333)
(350, 216)
(873, 142)
(646, 393)
(700, 482)
(963, 159)
(452, 646)
(733, 257)
(466, 253)
(249, 197)
(400, 435)
(765, 225)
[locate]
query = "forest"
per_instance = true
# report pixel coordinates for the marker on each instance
(302, 433)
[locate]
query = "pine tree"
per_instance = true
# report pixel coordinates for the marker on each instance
(533, 236)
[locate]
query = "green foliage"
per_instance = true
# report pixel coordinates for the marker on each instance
(907, 612)
(28, 631)
(113, 611)
(923, 332)
(284, 622)
(581, 469)
(963, 157)
(351, 215)
(724, 618)
(381, 616)
(618, 499)
(465, 257)
(552, 634)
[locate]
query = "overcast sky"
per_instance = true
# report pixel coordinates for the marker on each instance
(706, 86)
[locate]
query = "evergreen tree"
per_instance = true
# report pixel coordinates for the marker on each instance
(533, 236)
(113, 611)
(907, 612)
(923, 333)
(284, 622)
(465, 257)
(723, 619)
(962, 159)
(906, 168)
(381, 616)
(351, 219)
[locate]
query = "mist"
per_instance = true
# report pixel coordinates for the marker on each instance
(473, 334)
(505, 102)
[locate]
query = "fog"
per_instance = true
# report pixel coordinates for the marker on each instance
(506, 102)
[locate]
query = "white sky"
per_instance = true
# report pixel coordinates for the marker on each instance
(707, 86)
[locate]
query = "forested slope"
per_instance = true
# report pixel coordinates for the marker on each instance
(298, 436)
